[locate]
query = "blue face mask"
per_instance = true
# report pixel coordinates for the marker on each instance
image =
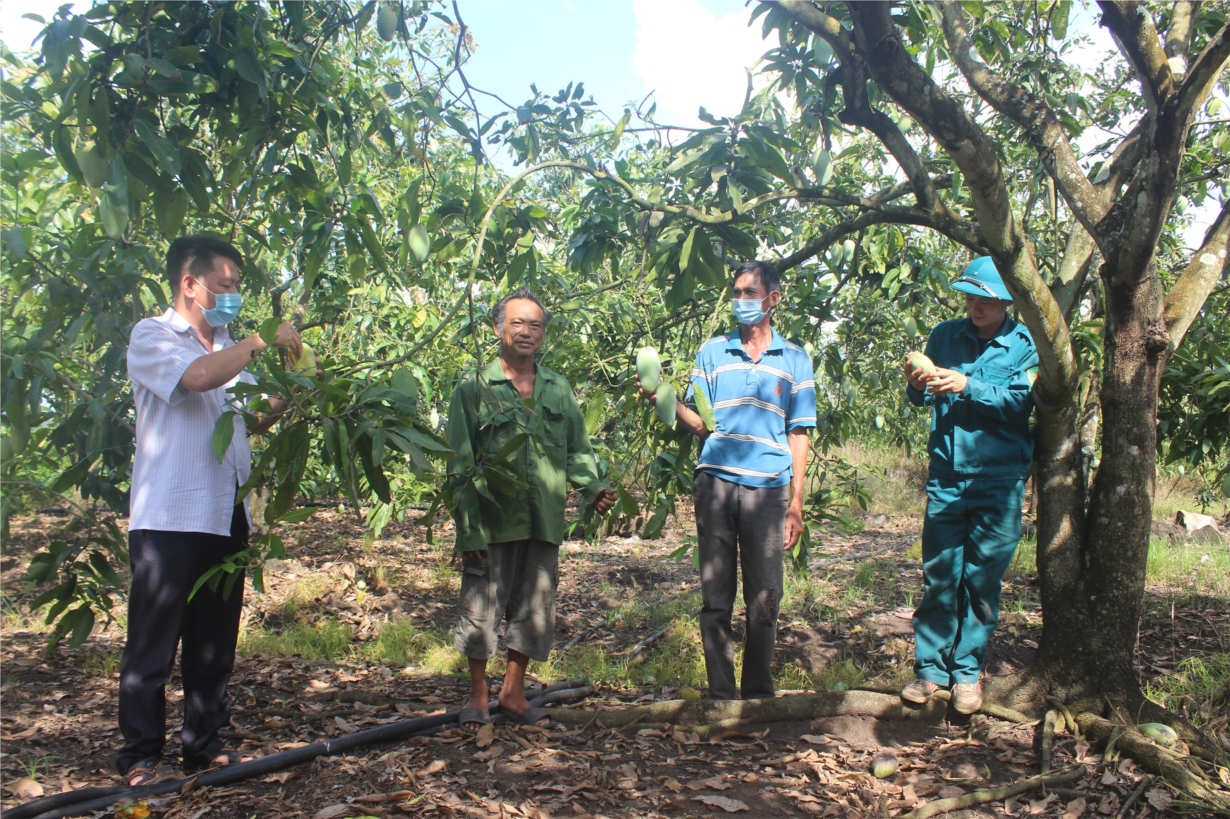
(225, 310)
(747, 311)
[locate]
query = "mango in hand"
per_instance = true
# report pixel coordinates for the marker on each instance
(918, 361)
(305, 364)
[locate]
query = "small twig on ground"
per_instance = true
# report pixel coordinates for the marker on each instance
(1140, 788)
(995, 794)
(639, 647)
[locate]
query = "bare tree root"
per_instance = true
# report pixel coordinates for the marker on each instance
(995, 794)
(791, 708)
(1048, 739)
(1155, 759)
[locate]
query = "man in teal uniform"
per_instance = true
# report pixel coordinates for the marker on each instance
(980, 448)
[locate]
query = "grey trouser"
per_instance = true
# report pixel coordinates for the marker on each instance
(516, 582)
(750, 523)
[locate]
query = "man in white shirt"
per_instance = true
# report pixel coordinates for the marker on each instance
(183, 518)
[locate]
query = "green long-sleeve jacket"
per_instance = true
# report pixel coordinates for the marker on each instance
(482, 419)
(984, 431)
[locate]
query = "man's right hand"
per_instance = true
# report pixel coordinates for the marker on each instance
(651, 397)
(476, 556)
(918, 379)
(288, 338)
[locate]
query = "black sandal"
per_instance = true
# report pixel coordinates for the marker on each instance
(148, 771)
(233, 757)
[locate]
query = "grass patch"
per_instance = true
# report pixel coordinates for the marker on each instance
(399, 642)
(895, 482)
(100, 663)
(1198, 567)
(1193, 687)
(325, 639)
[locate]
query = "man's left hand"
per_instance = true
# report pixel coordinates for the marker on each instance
(794, 528)
(606, 499)
(947, 382)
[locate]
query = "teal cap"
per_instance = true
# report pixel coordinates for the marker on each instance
(981, 278)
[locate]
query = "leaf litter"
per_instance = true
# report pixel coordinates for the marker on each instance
(59, 711)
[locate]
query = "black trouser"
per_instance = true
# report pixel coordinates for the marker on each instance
(165, 566)
(739, 525)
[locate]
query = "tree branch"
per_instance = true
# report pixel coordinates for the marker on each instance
(1133, 30)
(1073, 271)
(1189, 293)
(1033, 114)
(960, 231)
(858, 107)
(1203, 74)
(1179, 34)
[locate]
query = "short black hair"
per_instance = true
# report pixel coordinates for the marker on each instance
(198, 253)
(497, 314)
(765, 271)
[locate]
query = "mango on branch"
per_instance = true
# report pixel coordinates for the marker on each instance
(705, 410)
(648, 368)
(666, 404)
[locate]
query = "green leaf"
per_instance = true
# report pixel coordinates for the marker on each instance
(164, 68)
(298, 515)
(164, 149)
(191, 83)
(93, 163)
(224, 431)
(113, 204)
(73, 476)
(269, 331)
(627, 503)
(1059, 18)
(685, 253)
(83, 624)
(170, 207)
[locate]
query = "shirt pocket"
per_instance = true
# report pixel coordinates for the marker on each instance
(555, 431)
(995, 375)
(497, 425)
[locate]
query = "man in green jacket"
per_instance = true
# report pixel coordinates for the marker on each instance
(980, 449)
(520, 440)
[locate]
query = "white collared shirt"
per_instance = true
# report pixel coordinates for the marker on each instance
(177, 483)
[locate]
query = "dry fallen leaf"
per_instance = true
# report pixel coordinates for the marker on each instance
(485, 735)
(25, 788)
(332, 812)
(949, 791)
(814, 740)
(725, 803)
(434, 767)
(671, 784)
(1037, 806)
(487, 756)
(343, 726)
(1074, 809)
(1159, 799)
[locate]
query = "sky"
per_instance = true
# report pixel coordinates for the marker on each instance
(687, 53)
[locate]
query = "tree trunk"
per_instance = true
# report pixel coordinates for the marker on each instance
(1091, 561)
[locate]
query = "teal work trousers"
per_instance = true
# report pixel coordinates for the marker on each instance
(969, 536)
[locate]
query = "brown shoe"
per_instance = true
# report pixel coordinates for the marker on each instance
(967, 697)
(919, 691)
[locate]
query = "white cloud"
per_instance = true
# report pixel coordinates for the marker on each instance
(691, 58)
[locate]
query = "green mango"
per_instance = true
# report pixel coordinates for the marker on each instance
(884, 765)
(420, 243)
(918, 361)
(386, 21)
(1159, 732)
(648, 368)
(666, 404)
(705, 410)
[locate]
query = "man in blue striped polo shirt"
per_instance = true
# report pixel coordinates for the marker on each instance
(748, 487)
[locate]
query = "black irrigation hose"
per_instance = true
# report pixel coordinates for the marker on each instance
(87, 800)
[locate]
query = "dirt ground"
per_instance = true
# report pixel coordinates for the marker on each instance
(59, 710)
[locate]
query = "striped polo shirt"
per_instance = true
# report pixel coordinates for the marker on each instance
(754, 403)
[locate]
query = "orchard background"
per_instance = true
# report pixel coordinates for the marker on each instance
(383, 203)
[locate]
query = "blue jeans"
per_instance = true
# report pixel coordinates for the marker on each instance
(969, 536)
